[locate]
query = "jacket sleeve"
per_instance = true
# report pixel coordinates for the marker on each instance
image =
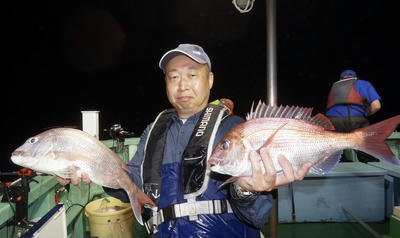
(134, 165)
(254, 209)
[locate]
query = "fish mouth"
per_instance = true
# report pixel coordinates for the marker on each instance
(15, 159)
(212, 161)
(16, 153)
(215, 161)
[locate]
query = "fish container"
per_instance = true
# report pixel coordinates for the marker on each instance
(109, 217)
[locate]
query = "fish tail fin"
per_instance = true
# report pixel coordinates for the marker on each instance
(137, 198)
(374, 140)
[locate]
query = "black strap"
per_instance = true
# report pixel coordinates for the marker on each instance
(194, 162)
(169, 213)
(348, 114)
(194, 158)
(154, 153)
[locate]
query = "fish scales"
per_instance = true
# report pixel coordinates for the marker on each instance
(307, 139)
(55, 150)
(293, 133)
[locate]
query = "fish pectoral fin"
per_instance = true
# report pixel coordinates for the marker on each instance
(271, 137)
(229, 180)
(66, 173)
(126, 168)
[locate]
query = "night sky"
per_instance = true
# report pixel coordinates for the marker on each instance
(62, 57)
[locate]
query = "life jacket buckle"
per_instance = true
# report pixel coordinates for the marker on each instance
(192, 211)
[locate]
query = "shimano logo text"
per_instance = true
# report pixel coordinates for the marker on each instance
(204, 121)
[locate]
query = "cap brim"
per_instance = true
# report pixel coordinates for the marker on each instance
(172, 54)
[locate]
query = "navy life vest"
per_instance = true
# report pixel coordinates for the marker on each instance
(194, 176)
(343, 92)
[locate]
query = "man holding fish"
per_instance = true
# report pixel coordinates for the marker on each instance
(171, 166)
(183, 158)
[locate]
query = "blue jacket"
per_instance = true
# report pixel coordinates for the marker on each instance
(365, 89)
(249, 215)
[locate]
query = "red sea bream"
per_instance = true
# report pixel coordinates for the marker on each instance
(293, 133)
(54, 150)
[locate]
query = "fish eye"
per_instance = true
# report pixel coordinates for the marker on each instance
(225, 145)
(33, 140)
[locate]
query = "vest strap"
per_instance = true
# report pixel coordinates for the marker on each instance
(153, 154)
(194, 177)
(343, 92)
(188, 209)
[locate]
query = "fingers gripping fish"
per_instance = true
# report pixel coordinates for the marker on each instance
(249, 148)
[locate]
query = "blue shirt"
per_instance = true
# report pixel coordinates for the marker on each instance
(366, 90)
(248, 214)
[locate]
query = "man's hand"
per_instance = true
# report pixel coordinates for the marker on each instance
(374, 107)
(270, 180)
(75, 180)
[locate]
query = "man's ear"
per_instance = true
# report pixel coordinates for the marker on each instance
(211, 79)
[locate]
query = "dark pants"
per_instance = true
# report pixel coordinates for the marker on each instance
(345, 124)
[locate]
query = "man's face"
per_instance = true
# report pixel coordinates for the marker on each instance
(188, 85)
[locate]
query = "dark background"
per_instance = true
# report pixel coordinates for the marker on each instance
(62, 57)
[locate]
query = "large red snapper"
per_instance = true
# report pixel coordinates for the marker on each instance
(54, 150)
(293, 133)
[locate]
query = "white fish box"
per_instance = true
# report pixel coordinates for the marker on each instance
(52, 224)
(90, 123)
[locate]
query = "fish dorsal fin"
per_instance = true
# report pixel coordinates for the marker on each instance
(290, 112)
(322, 120)
(263, 110)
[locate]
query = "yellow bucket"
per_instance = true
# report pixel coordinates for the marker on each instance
(109, 217)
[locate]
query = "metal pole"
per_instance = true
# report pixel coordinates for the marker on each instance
(293, 203)
(273, 217)
(271, 52)
(272, 97)
(362, 223)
